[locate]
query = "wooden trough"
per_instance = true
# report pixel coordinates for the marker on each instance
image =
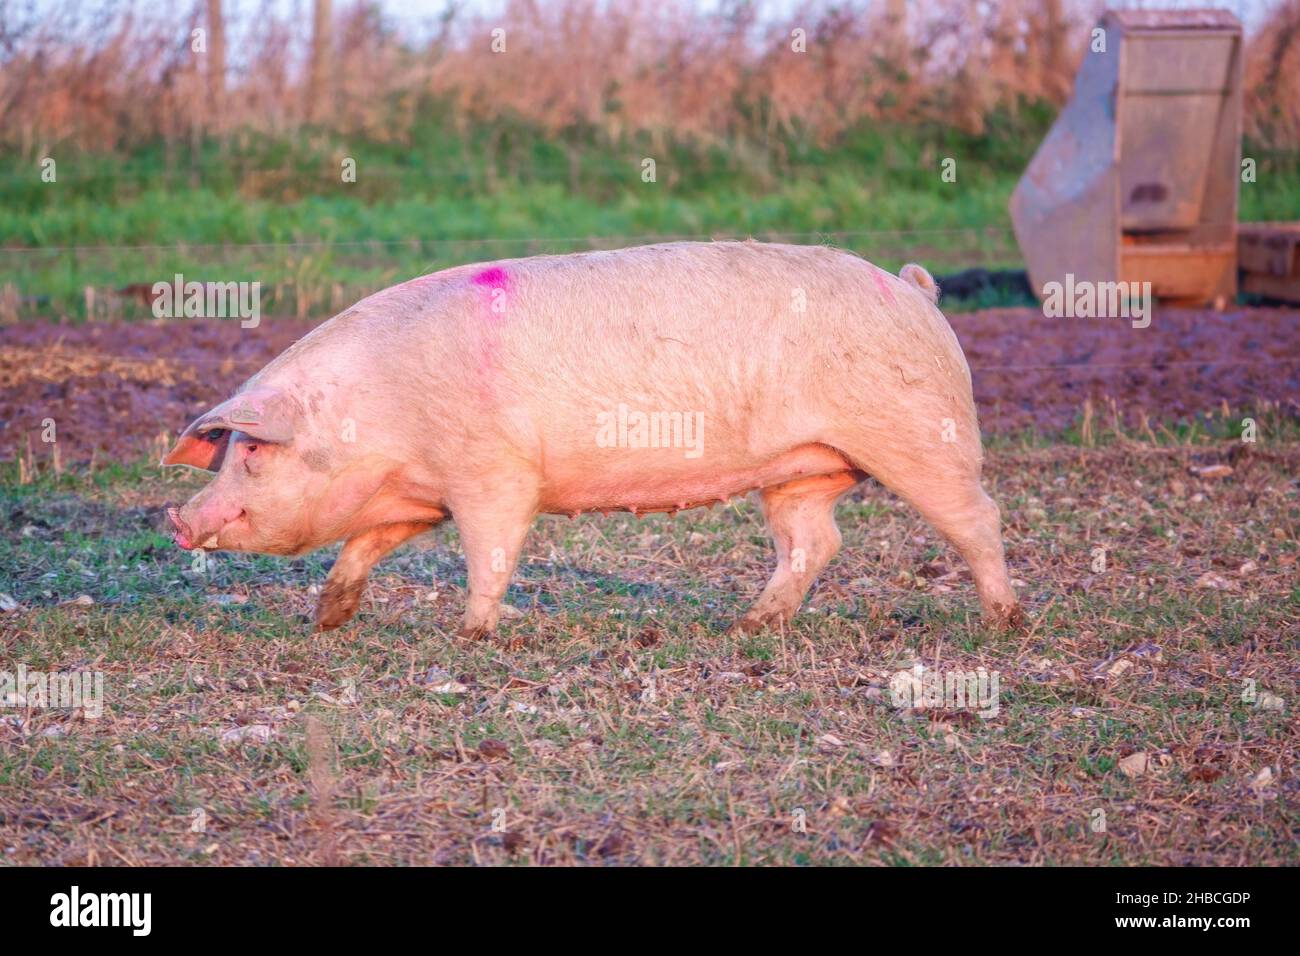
(1268, 255)
(1137, 180)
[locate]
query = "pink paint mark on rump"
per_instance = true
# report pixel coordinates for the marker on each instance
(882, 283)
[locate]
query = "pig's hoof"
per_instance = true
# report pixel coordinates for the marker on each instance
(474, 632)
(327, 619)
(753, 623)
(1009, 618)
(338, 604)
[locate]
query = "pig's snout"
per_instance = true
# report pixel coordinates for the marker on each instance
(198, 524)
(181, 533)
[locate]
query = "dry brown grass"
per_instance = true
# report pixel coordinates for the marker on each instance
(1272, 78)
(632, 67)
(613, 722)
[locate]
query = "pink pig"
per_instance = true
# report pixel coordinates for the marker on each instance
(655, 378)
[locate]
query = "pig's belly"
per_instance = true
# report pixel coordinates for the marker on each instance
(656, 485)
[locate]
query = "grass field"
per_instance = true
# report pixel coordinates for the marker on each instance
(281, 215)
(615, 721)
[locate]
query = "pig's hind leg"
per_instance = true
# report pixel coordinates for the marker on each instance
(801, 517)
(346, 583)
(961, 512)
(943, 484)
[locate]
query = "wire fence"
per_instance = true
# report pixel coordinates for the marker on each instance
(423, 242)
(1149, 361)
(318, 276)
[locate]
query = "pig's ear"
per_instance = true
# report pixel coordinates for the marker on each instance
(205, 451)
(265, 414)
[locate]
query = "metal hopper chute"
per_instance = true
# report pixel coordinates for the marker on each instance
(1137, 179)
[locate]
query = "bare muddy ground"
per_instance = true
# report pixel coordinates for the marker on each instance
(1031, 371)
(114, 389)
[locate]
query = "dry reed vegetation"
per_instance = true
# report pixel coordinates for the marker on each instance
(1272, 80)
(113, 77)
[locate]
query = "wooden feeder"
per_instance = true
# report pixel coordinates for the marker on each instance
(1137, 179)
(1269, 256)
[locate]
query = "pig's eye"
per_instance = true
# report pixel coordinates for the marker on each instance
(252, 461)
(215, 434)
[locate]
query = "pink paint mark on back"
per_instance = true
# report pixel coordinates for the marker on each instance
(495, 283)
(494, 277)
(882, 283)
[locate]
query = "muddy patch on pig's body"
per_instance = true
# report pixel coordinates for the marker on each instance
(317, 459)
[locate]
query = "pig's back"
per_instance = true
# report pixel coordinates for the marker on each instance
(707, 325)
(773, 344)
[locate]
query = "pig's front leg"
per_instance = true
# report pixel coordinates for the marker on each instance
(341, 595)
(492, 532)
(801, 516)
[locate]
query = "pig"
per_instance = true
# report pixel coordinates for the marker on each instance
(650, 379)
